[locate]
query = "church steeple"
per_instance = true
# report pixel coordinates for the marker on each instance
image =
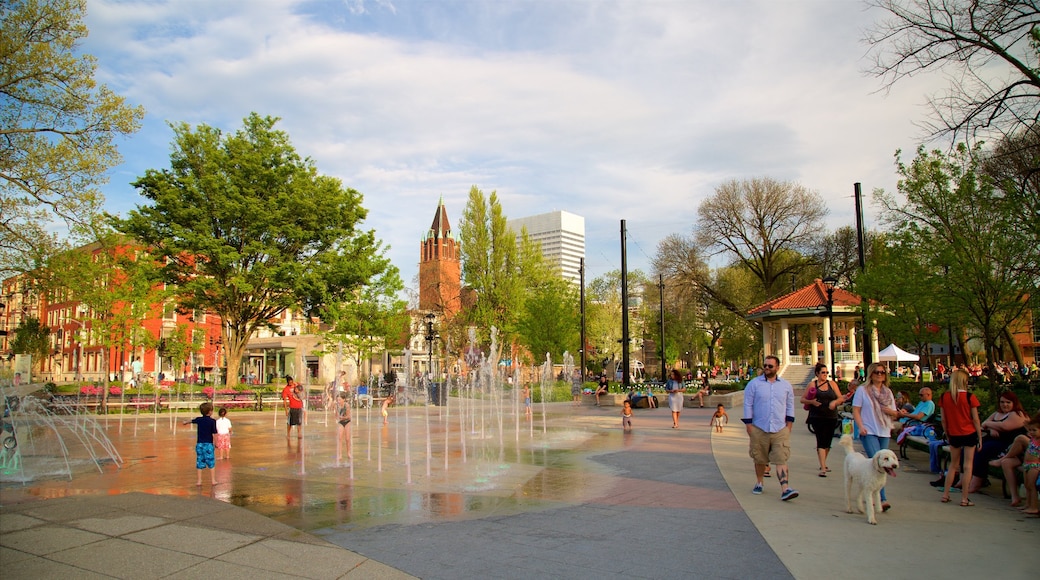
(440, 271)
(440, 228)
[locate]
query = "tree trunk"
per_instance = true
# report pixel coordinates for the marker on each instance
(104, 381)
(1016, 351)
(234, 348)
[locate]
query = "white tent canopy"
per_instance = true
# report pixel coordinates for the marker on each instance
(894, 353)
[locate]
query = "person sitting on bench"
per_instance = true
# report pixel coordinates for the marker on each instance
(922, 412)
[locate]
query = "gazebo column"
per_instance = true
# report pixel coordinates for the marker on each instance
(852, 337)
(874, 349)
(785, 342)
(827, 354)
(814, 339)
(767, 342)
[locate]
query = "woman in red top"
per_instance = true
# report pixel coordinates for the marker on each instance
(960, 422)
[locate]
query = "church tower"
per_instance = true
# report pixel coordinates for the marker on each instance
(440, 271)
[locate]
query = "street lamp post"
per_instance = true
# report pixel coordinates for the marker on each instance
(430, 337)
(830, 282)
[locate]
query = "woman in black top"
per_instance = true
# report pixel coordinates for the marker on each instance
(823, 398)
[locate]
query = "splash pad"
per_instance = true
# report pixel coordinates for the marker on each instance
(46, 439)
(474, 456)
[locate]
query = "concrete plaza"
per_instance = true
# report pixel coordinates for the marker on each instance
(467, 492)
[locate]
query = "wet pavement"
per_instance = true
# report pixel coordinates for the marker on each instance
(484, 496)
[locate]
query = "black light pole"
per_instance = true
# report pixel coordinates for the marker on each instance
(625, 340)
(868, 328)
(830, 281)
(430, 345)
(660, 289)
(584, 362)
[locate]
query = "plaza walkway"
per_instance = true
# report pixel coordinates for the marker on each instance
(582, 500)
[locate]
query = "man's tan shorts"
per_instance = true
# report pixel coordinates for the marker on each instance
(769, 448)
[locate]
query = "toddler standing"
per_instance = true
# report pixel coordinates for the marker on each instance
(626, 415)
(223, 440)
(719, 418)
(207, 427)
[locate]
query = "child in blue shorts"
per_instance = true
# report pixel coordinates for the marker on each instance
(204, 455)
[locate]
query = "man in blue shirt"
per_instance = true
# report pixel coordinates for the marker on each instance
(922, 412)
(769, 417)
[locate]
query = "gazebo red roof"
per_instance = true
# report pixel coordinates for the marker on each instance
(812, 296)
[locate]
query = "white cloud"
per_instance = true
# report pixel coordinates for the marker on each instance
(612, 110)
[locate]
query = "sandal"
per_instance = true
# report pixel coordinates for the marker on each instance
(945, 499)
(967, 503)
(823, 473)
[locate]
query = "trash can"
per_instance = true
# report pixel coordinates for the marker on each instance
(438, 394)
(432, 393)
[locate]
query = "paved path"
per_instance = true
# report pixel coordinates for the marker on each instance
(655, 503)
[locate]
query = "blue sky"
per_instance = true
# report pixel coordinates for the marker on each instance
(610, 110)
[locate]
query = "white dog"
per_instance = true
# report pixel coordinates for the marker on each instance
(868, 476)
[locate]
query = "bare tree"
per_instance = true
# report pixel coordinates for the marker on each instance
(989, 51)
(769, 226)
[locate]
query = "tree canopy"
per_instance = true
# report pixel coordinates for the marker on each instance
(246, 228)
(490, 265)
(965, 236)
(988, 49)
(770, 227)
(58, 128)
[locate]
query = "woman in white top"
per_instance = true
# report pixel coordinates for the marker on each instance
(874, 409)
(675, 390)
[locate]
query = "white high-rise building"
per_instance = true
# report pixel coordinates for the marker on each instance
(562, 237)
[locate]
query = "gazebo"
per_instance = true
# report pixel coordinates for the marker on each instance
(807, 308)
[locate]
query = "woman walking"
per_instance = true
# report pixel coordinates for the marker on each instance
(873, 409)
(823, 412)
(675, 390)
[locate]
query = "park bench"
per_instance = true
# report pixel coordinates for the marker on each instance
(74, 404)
(237, 400)
(921, 443)
(136, 402)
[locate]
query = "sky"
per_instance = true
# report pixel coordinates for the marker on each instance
(612, 110)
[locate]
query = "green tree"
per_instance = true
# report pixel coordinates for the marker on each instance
(33, 338)
(57, 125)
(900, 279)
(719, 298)
(246, 228)
(988, 49)
(179, 346)
(115, 290)
(551, 320)
(964, 232)
(371, 320)
(490, 266)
